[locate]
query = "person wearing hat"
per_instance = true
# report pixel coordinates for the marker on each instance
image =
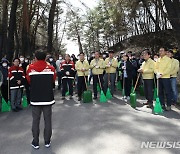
(82, 67)
(173, 75)
(111, 65)
(4, 71)
(97, 65)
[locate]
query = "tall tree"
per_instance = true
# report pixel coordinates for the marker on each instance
(11, 30)
(51, 25)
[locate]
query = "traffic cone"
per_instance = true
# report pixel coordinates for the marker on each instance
(5, 106)
(103, 98)
(108, 94)
(24, 102)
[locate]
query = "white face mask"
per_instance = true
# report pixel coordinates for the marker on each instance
(26, 61)
(4, 64)
(21, 59)
(51, 59)
(60, 58)
(72, 59)
(93, 55)
(104, 56)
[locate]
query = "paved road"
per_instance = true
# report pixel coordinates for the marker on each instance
(110, 128)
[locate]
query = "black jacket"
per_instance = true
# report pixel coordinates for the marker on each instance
(129, 69)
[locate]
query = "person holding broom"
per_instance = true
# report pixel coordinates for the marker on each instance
(127, 69)
(97, 65)
(163, 72)
(82, 67)
(111, 65)
(147, 70)
(16, 78)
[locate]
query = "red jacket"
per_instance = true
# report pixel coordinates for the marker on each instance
(67, 67)
(16, 73)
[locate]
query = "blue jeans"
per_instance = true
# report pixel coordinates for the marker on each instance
(174, 89)
(111, 77)
(165, 89)
(16, 95)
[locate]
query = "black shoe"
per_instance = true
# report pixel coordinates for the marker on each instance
(95, 97)
(164, 108)
(19, 108)
(47, 144)
(35, 145)
(79, 98)
(150, 106)
(15, 110)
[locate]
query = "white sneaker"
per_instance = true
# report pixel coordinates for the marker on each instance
(47, 145)
(168, 108)
(35, 146)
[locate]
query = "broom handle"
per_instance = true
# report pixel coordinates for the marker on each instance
(136, 82)
(85, 81)
(99, 82)
(8, 88)
(157, 87)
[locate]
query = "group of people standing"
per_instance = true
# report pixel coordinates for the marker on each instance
(38, 77)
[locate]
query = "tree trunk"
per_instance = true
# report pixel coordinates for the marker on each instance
(11, 30)
(50, 26)
(4, 27)
(173, 11)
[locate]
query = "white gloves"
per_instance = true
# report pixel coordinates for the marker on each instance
(123, 67)
(67, 73)
(158, 75)
(97, 67)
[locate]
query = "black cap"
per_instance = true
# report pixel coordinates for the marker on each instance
(111, 51)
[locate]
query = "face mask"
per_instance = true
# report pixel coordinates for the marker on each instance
(93, 55)
(4, 64)
(60, 58)
(26, 61)
(155, 59)
(51, 59)
(21, 59)
(104, 56)
(71, 59)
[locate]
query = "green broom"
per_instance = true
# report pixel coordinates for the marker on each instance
(5, 107)
(24, 102)
(103, 98)
(141, 90)
(108, 93)
(133, 94)
(98, 88)
(158, 108)
(155, 91)
(119, 86)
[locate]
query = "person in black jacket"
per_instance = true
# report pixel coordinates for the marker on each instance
(127, 69)
(41, 77)
(4, 71)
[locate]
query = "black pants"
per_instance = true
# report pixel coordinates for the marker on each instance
(81, 85)
(67, 84)
(59, 79)
(127, 86)
(165, 89)
(96, 81)
(36, 114)
(148, 90)
(4, 91)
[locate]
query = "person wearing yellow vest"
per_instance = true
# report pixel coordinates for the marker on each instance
(163, 72)
(147, 70)
(97, 65)
(111, 65)
(82, 67)
(174, 72)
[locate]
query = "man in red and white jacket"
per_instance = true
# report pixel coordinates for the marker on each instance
(41, 77)
(67, 68)
(16, 78)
